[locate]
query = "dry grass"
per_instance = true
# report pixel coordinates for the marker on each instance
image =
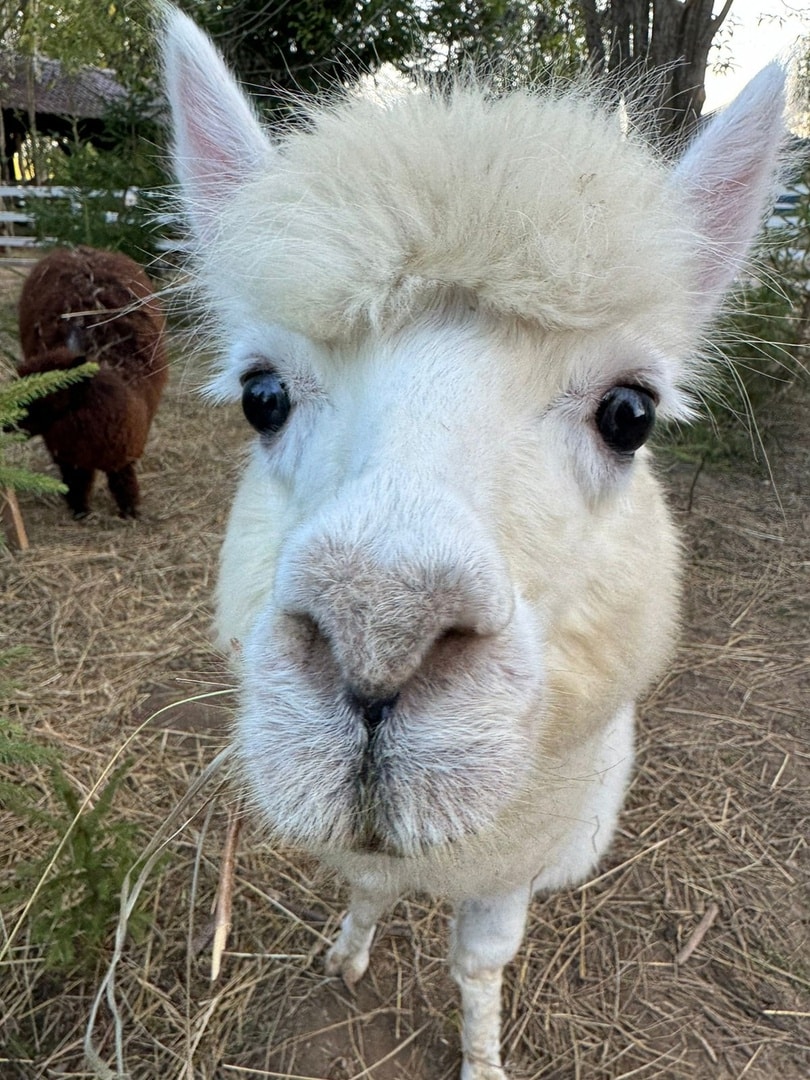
(687, 957)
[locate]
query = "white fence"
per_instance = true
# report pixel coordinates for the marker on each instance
(17, 223)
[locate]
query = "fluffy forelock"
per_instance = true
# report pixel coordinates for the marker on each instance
(535, 207)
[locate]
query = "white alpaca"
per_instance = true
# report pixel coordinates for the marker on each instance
(449, 572)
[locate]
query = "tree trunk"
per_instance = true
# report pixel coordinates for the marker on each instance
(31, 101)
(669, 37)
(593, 34)
(6, 173)
(697, 31)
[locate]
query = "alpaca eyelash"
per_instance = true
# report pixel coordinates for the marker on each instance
(580, 403)
(301, 383)
(260, 368)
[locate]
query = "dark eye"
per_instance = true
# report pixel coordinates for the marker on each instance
(625, 418)
(265, 401)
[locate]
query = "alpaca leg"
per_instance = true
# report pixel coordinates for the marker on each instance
(349, 954)
(486, 935)
(123, 486)
(79, 483)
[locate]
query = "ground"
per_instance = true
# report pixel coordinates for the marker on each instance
(687, 956)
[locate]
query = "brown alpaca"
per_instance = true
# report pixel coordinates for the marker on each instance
(85, 304)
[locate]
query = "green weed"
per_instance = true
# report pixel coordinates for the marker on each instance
(73, 889)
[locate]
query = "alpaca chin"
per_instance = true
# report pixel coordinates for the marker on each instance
(453, 755)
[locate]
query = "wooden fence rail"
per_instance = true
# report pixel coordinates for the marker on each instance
(18, 223)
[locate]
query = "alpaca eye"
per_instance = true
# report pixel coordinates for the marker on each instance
(625, 418)
(265, 401)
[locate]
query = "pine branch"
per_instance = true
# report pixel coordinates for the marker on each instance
(19, 393)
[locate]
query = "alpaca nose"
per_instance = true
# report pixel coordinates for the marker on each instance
(379, 629)
(381, 610)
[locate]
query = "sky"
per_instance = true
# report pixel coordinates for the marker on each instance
(755, 39)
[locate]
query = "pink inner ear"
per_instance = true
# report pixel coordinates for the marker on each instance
(730, 217)
(729, 175)
(212, 156)
(219, 141)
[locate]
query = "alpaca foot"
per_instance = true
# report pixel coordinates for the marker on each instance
(79, 484)
(481, 1070)
(343, 960)
(123, 485)
(348, 956)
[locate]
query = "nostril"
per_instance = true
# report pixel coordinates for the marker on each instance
(374, 712)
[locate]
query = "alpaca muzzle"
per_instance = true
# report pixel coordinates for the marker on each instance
(382, 612)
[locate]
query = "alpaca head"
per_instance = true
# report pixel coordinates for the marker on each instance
(451, 320)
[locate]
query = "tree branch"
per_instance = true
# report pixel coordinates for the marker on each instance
(720, 17)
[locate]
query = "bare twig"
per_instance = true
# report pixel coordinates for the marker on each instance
(222, 906)
(698, 934)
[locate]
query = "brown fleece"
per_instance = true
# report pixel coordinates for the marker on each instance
(86, 304)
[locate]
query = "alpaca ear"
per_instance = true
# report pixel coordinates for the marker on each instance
(218, 140)
(729, 175)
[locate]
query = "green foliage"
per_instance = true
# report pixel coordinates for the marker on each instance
(520, 40)
(110, 202)
(116, 35)
(82, 32)
(306, 45)
(303, 45)
(763, 339)
(73, 888)
(102, 207)
(16, 748)
(76, 884)
(15, 397)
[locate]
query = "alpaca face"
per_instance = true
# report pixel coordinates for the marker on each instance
(448, 570)
(426, 569)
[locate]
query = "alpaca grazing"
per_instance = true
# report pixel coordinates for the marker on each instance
(449, 572)
(85, 304)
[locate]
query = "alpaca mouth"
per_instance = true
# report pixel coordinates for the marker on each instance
(369, 837)
(405, 769)
(389, 820)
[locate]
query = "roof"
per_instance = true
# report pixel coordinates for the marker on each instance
(86, 93)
